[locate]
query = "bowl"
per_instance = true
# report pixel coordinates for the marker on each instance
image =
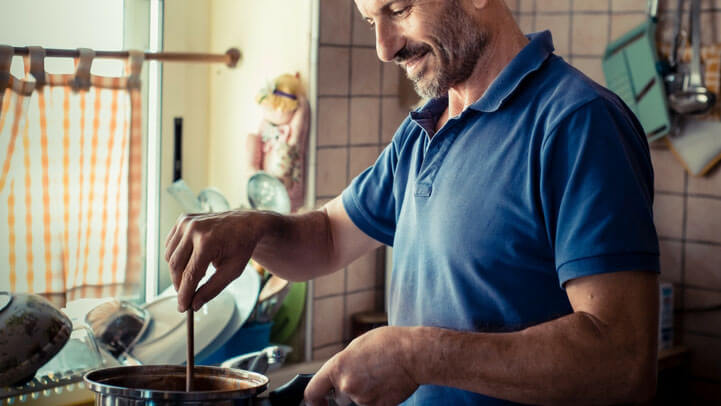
(266, 192)
(79, 353)
(33, 331)
(118, 325)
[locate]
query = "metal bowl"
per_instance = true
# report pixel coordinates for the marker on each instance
(118, 325)
(266, 192)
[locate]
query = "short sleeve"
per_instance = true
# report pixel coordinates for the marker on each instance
(597, 193)
(369, 199)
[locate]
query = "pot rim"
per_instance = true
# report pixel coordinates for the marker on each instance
(94, 381)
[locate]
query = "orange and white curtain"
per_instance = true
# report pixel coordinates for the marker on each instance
(71, 179)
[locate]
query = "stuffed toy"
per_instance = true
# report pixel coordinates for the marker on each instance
(278, 147)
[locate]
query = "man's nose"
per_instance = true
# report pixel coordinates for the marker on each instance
(388, 41)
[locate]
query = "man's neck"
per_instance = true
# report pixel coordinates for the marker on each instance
(497, 55)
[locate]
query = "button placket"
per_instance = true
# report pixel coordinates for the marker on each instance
(432, 161)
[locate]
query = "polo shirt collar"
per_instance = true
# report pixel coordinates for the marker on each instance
(526, 62)
(529, 60)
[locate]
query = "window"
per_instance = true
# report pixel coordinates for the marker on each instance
(108, 25)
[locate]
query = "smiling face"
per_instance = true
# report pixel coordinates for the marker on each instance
(435, 41)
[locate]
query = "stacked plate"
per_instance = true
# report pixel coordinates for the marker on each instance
(215, 322)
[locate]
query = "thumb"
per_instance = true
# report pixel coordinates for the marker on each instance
(319, 387)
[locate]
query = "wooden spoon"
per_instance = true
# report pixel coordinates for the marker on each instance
(190, 353)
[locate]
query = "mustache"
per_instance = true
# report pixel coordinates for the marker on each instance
(410, 52)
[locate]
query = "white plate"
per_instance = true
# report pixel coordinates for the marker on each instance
(244, 290)
(210, 321)
(164, 319)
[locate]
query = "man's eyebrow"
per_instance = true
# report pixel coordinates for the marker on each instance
(384, 9)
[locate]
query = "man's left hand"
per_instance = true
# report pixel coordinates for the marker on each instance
(372, 370)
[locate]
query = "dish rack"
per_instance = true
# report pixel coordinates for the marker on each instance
(43, 386)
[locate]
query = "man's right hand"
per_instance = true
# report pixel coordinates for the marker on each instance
(226, 240)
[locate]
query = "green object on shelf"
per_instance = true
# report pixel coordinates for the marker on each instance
(287, 319)
(630, 68)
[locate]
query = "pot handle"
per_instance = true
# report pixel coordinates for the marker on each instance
(291, 393)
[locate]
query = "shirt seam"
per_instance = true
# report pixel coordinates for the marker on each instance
(553, 131)
(624, 254)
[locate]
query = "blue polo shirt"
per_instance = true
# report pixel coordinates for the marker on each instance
(544, 179)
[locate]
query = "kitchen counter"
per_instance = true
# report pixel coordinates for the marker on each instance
(672, 359)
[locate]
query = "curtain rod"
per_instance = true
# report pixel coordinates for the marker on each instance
(230, 57)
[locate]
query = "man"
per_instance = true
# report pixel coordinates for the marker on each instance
(518, 202)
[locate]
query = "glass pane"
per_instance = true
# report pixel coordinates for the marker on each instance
(67, 189)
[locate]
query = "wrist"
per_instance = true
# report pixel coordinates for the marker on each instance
(264, 225)
(416, 350)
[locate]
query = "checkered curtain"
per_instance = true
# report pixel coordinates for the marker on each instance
(70, 180)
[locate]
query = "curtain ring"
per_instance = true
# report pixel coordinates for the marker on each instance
(37, 65)
(133, 67)
(82, 69)
(6, 58)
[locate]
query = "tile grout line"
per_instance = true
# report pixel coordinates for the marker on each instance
(609, 32)
(324, 346)
(350, 292)
(681, 240)
(533, 17)
(571, 55)
(347, 164)
(684, 220)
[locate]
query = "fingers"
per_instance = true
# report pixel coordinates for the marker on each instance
(220, 279)
(193, 273)
(169, 237)
(178, 262)
(320, 386)
(176, 233)
(174, 237)
(178, 248)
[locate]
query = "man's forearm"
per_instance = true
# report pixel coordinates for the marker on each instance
(296, 247)
(573, 359)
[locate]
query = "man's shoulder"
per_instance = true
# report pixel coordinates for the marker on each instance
(564, 90)
(407, 134)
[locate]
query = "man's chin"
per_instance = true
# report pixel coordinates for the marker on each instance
(428, 90)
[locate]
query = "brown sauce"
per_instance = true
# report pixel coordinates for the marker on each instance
(201, 383)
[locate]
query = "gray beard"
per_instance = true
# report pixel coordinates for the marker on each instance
(457, 47)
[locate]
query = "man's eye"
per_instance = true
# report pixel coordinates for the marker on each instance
(400, 12)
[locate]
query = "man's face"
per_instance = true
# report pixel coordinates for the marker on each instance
(436, 42)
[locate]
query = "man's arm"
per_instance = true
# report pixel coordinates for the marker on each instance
(295, 247)
(313, 244)
(605, 352)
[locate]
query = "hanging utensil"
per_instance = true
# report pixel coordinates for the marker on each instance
(673, 76)
(694, 97)
(631, 71)
(676, 34)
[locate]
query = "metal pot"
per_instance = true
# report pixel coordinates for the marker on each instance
(161, 385)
